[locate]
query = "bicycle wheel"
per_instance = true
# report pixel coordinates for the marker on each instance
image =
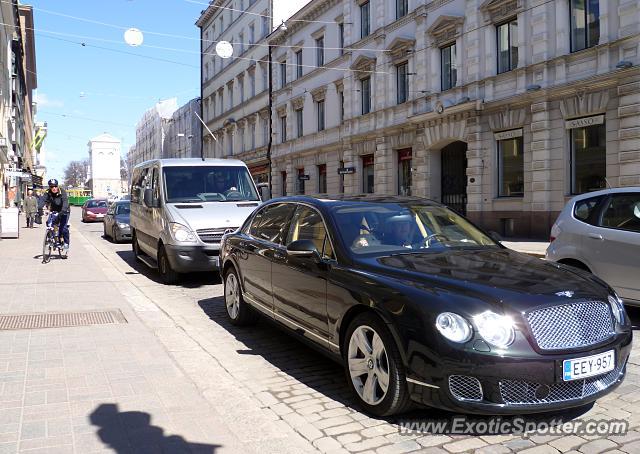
(46, 247)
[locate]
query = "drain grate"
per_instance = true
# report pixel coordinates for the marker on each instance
(60, 319)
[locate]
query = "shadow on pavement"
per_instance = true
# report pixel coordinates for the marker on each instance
(190, 280)
(327, 377)
(132, 432)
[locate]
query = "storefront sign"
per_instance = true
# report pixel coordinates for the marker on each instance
(583, 122)
(13, 173)
(304, 177)
(346, 170)
(505, 135)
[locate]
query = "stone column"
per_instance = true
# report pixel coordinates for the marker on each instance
(475, 165)
(629, 131)
(383, 166)
(541, 172)
(419, 166)
(350, 182)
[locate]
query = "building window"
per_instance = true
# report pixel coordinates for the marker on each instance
(404, 171)
(622, 212)
(365, 92)
(241, 135)
(230, 88)
(510, 168)
(265, 78)
(507, 46)
(252, 84)
(252, 34)
(448, 66)
(341, 179)
(265, 132)
(283, 73)
(367, 174)
(241, 41)
(341, 38)
(402, 82)
(206, 71)
(230, 145)
(320, 52)
(283, 128)
(299, 124)
(320, 114)
(299, 64)
(402, 8)
(364, 20)
(265, 23)
(322, 179)
(588, 159)
(283, 182)
(341, 106)
(252, 129)
(301, 180)
(241, 89)
(221, 102)
(585, 24)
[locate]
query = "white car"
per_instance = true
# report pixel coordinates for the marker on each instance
(600, 232)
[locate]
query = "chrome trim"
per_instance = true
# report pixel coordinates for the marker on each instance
(286, 319)
(421, 383)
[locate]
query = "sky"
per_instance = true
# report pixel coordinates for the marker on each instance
(106, 85)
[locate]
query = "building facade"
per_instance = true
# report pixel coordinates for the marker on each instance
(184, 134)
(502, 109)
(104, 158)
(151, 131)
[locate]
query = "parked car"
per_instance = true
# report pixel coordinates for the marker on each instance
(600, 232)
(94, 210)
(116, 222)
(420, 305)
(181, 208)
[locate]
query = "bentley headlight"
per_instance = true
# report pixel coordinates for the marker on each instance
(182, 233)
(496, 329)
(453, 327)
(617, 307)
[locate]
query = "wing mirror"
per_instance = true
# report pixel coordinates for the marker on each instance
(303, 248)
(149, 200)
(265, 192)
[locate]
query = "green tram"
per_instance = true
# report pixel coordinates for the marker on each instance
(77, 197)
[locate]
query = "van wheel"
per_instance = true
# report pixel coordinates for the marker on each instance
(168, 275)
(135, 247)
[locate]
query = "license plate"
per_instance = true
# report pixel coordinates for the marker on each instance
(588, 366)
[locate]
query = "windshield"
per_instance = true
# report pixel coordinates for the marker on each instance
(97, 204)
(208, 184)
(382, 228)
(123, 208)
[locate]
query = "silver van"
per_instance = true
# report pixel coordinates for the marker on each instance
(181, 208)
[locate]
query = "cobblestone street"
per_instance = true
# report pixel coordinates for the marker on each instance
(181, 367)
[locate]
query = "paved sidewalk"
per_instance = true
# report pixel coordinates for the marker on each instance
(100, 388)
(531, 247)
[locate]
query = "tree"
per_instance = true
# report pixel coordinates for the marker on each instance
(124, 170)
(75, 174)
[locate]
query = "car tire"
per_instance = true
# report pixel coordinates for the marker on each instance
(114, 235)
(372, 362)
(104, 230)
(238, 311)
(135, 247)
(168, 275)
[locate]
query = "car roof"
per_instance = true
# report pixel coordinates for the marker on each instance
(365, 198)
(190, 162)
(588, 195)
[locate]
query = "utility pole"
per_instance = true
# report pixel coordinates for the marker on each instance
(270, 141)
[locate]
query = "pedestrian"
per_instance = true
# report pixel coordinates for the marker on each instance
(30, 208)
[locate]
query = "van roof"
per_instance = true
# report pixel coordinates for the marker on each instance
(187, 162)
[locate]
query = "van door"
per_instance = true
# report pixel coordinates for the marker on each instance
(146, 232)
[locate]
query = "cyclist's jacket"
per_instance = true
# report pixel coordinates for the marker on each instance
(57, 202)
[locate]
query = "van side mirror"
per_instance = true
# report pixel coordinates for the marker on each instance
(265, 193)
(303, 248)
(149, 200)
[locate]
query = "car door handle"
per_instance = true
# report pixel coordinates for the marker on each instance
(595, 236)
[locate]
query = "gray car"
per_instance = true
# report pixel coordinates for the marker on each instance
(600, 232)
(116, 222)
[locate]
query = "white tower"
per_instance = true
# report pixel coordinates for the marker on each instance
(104, 155)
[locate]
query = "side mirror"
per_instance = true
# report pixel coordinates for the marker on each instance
(495, 236)
(148, 199)
(265, 193)
(302, 248)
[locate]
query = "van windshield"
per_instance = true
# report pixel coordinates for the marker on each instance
(208, 184)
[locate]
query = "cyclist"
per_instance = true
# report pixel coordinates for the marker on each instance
(57, 201)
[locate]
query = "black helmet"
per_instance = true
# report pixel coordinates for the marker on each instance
(53, 182)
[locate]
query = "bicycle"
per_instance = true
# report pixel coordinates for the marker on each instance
(52, 239)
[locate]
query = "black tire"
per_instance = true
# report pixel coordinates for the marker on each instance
(135, 247)
(238, 311)
(395, 399)
(168, 275)
(46, 247)
(104, 231)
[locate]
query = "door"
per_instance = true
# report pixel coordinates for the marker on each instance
(300, 284)
(454, 176)
(265, 239)
(614, 244)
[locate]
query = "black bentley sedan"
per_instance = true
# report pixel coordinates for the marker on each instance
(420, 305)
